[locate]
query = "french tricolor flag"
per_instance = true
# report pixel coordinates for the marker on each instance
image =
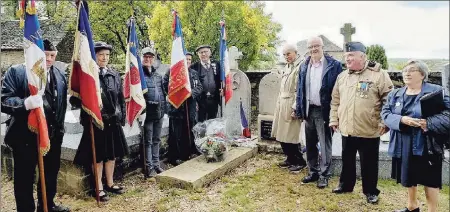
(134, 85)
(225, 63)
(244, 123)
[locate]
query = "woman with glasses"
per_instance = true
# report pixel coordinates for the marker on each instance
(415, 160)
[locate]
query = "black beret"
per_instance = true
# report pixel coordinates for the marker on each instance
(189, 53)
(99, 45)
(355, 46)
(202, 46)
(48, 46)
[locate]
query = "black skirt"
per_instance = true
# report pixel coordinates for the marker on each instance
(110, 143)
(423, 170)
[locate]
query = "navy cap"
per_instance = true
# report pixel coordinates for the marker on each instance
(48, 46)
(201, 47)
(189, 53)
(355, 46)
(99, 45)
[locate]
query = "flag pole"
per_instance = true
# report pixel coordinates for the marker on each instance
(222, 69)
(42, 176)
(94, 163)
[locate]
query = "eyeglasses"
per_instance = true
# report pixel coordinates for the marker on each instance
(410, 70)
(203, 52)
(314, 46)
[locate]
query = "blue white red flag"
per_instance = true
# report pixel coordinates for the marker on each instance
(134, 83)
(225, 73)
(84, 78)
(36, 70)
(244, 123)
(179, 83)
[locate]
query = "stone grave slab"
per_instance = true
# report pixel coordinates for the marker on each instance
(197, 173)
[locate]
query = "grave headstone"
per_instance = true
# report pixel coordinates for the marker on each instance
(347, 31)
(234, 55)
(268, 95)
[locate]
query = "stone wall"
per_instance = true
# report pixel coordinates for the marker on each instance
(10, 57)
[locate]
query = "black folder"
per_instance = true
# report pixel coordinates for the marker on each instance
(432, 103)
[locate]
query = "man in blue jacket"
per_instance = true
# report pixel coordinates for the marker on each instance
(316, 81)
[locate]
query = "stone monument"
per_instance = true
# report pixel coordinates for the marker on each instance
(268, 94)
(347, 31)
(446, 77)
(241, 93)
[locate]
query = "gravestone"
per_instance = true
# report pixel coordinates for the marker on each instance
(268, 95)
(241, 93)
(446, 77)
(347, 31)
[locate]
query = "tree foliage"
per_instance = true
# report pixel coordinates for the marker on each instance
(378, 54)
(248, 28)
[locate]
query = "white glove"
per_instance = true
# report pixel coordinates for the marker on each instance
(33, 102)
(142, 119)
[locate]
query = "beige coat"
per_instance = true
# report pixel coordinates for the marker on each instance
(357, 100)
(284, 127)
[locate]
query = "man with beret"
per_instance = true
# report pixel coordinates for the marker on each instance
(155, 99)
(17, 102)
(357, 98)
(209, 73)
(182, 120)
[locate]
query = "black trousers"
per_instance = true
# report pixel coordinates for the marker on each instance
(207, 109)
(368, 149)
(293, 153)
(25, 161)
(181, 143)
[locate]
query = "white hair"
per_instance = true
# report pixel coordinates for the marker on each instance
(289, 47)
(315, 38)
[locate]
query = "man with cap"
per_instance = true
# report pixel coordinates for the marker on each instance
(189, 59)
(357, 98)
(209, 74)
(110, 143)
(17, 102)
(155, 99)
(182, 120)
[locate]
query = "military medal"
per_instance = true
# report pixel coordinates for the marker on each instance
(397, 104)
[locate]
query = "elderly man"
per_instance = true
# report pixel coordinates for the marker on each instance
(209, 74)
(286, 126)
(17, 102)
(316, 81)
(153, 118)
(357, 98)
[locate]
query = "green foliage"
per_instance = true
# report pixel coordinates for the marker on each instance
(248, 28)
(378, 54)
(10, 9)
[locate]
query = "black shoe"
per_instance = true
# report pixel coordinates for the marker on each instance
(149, 173)
(340, 190)
(114, 189)
(284, 164)
(372, 198)
(158, 169)
(310, 178)
(296, 168)
(103, 196)
(60, 208)
(407, 210)
(322, 182)
(176, 162)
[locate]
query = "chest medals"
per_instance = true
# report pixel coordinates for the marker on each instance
(362, 89)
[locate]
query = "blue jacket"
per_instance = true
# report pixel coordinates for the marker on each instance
(391, 115)
(329, 76)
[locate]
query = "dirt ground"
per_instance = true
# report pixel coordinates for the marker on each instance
(257, 185)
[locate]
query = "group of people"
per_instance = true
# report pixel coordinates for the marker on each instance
(361, 104)
(110, 142)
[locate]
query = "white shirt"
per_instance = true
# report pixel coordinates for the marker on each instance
(315, 79)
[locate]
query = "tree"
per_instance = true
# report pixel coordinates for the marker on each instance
(248, 28)
(378, 54)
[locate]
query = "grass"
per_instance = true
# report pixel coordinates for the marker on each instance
(258, 185)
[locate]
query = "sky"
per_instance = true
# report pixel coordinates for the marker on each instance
(411, 29)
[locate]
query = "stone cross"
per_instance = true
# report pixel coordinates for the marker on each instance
(347, 31)
(234, 55)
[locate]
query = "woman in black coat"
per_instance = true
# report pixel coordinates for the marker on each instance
(110, 143)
